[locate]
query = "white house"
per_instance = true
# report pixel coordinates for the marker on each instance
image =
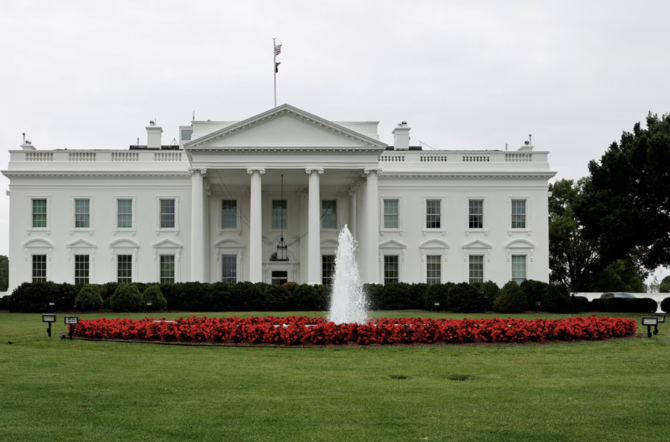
(211, 208)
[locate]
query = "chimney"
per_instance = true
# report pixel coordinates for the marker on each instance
(27, 145)
(401, 137)
(154, 136)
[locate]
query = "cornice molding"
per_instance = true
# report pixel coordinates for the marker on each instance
(265, 149)
(66, 174)
(283, 110)
(478, 175)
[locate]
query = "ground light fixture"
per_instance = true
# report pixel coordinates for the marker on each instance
(650, 321)
(72, 321)
(49, 318)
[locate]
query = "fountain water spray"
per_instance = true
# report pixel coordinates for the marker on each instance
(348, 303)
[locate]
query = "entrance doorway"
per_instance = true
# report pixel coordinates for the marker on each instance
(279, 277)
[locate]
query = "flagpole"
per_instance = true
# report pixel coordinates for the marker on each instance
(274, 67)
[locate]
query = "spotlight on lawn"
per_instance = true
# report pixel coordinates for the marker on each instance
(650, 321)
(49, 318)
(148, 304)
(72, 321)
(661, 317)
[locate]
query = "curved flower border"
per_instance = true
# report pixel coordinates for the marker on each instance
(303, 330)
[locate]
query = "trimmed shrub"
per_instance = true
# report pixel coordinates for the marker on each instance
(635, 305)
(465, 298)
(581, 304)
(392, 296)
(534, 291)
(126, 299)
(277, 298)
(555, 299)
(511, 300)
(437, 297)
(89, 298)
(35, 297)
(416, 295)
(4, 302)
(153, 295)
(311, 298)
(374, 294)
(665, 305)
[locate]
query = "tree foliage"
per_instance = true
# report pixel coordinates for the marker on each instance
(573, 259)
(665, 285)
(625, 205)
(4, 273)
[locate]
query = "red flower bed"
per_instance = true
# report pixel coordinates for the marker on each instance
(303, 330)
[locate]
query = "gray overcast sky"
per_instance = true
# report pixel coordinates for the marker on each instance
(465, 75)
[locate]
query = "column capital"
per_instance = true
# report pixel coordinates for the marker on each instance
(314, 169)
(377, 170)
(193, 170)
(251, 170)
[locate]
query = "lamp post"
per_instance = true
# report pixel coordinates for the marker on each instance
(49, 318)
(650, 321)
(71, 321)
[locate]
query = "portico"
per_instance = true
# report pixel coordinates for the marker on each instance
(325, 168)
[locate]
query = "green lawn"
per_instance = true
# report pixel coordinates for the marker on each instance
(61, 390)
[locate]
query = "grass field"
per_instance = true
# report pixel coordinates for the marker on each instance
(61, 390)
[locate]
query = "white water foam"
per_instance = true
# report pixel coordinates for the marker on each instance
(348, 303)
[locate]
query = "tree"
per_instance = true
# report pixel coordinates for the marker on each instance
(665, 285)
(4, 273)
(621, 276)
(625, 204)
(573, 259)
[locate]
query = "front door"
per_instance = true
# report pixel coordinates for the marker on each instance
(279, 277)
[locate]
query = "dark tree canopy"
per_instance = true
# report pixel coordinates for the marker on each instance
(625, 204)
(4, 273)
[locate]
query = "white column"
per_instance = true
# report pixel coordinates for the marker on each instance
(256, 227)
(197, 225)
(352, 212)
(314, 228)
(371, 227)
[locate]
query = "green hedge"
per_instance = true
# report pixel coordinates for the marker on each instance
(246, 296)
(665, 305)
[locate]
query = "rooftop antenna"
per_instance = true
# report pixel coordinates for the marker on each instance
(193, 119)
(505, 147)
(138, 141)
(422, 143)
(24, 138)
(174, 142)
(530, 139)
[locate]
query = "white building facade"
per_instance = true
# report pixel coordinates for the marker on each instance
(215, 207)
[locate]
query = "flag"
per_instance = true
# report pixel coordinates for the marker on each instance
(277, 49)
(277, 63)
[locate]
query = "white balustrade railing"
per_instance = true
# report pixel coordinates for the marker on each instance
(125, 156)
(39, 156)
(392, 158)
(81, 156)
(167, 156)
(476, 158)
(519, 157)
(433, 158)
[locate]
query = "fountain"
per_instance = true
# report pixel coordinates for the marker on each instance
(348, 303)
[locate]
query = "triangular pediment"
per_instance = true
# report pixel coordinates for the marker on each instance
(38, 243)
(81, 243)
(166, 243)
(477, 244)
(434, 244)
(392, 244)
(285, 127)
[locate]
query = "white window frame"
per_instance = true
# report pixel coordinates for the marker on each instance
(485, 210)
(228, 247)
(476, 247)
(124, 246)
(528, 229)
(328, 247)
(174, 229)
(392, 247)
(434, 247)
(289, 214)
(167, 247)
(82, 247)
(43, 230)
(238, 222)
(338, 214)
(511, 266)
(382, 229)
(520, 246)
(483, 266)
(73, 227)
(115, 222)
(442, 229)
(38, 246)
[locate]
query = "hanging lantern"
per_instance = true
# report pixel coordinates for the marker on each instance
(282, 248)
